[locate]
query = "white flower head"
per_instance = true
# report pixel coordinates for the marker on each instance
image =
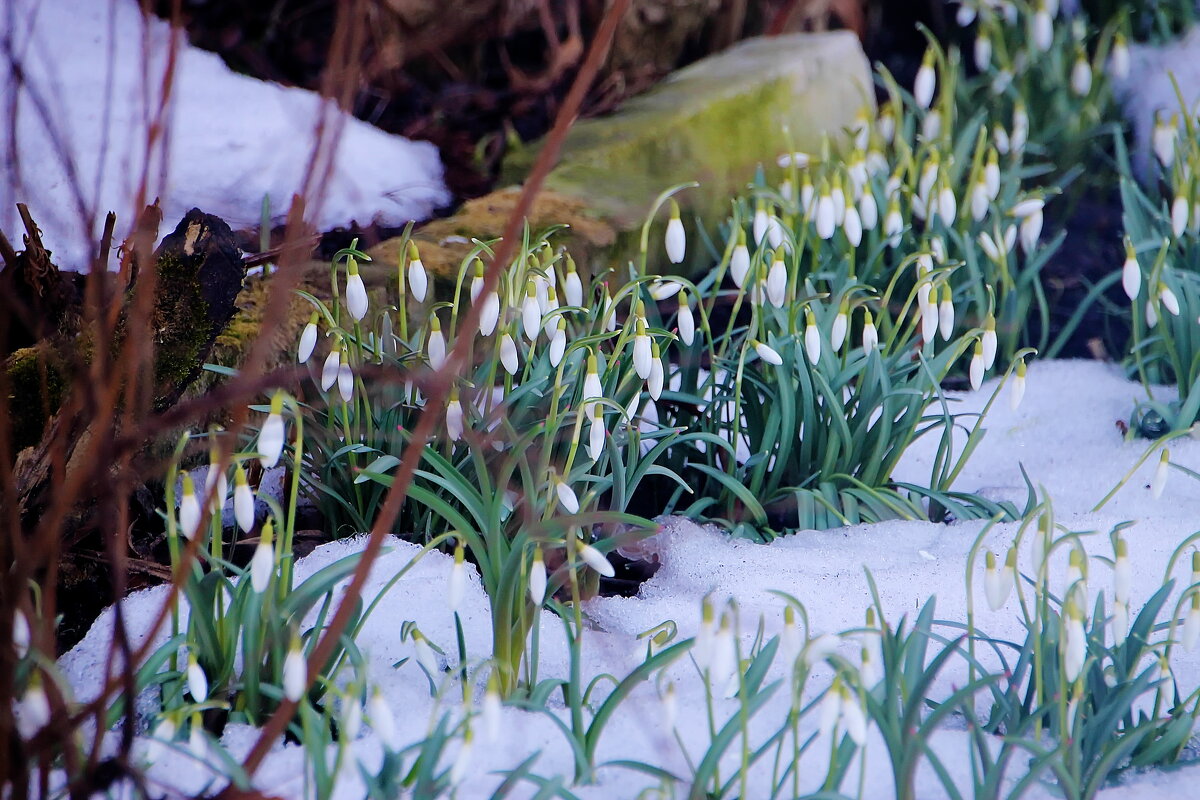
(841, 323)
(356, 292)
(642, 350)
(295, 671)
(558, 342)
(508, 353)
(982, 51)
(454, 416)
(1159, 482)
(595, 559)
(492, 709)
(988, 341)
(566, 496)
(1017, 392)
(1191, 625)
(457, 585)
(777, 281)
(676, 239)
(537, 577)
(868, 211)
(766, 353)
(870, 335)
(739, 261)
(345, 380)
(197, 681)
(812, 337)
(383, 722)
(826, 217)
(243, 499)
(926, 81)
(685, 321)
(329, 370)
(423, 653)
(189, 509)
(654, 383)
(976, 370)
(1119, 57)
(1081, 76)
(262, 563)
(308, 339)
(418, 281)
(946, 313)
(574, 286)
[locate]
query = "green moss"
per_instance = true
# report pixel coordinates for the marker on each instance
(31, 403)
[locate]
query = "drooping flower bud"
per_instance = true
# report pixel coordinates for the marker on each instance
(595, 559)
(988, 341)
(1081, 75)
(946, 313)
(766, 353)
(1017, 392)
(308, 339)
(812, 337)
(558, 342)
(841, 323)
(926, 81)
(383, 722)
(197, 681)
(329, 370)
(1119, 57)
(676, 239)
(777, 281)
(454, 416)
(537, 577)
(295, 671)
(508, 353)
(685, 321)
(654, 383)
(345, 378)
(642, 352)
(870, 336)
(262, 563)
(976, 369)
(1159, 481)
(418, 281)
(739, 261)
(189, 509)
(574, 286)
(356, 292)
(457, 584)
(566, 496)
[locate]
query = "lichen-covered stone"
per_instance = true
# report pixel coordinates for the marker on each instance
(715, 122)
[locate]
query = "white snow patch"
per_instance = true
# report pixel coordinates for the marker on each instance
(1064, 434)
(90, 84)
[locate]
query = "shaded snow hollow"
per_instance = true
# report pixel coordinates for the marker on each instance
(90, 84)
(1065, 436)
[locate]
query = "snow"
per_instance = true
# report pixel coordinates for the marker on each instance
(1065, 436)
(1155, 71)
(91, 83)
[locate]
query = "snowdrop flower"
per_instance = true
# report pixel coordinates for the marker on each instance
(789, 639)
(759, 225)
(841, 322)
(868, 211)
(1122, 577)
(976, 370)
(857, 170)
(990, 248)
(775, 236)
(947, 207)
(356, 292)
(566, 496)
(853, 716)
(979, 200)
(786, 190)
(197, 681)
(295, 671)
(454, 416)
(723, 664)
(197, 742)
(1077, 571)
(596, 432)
(592, 389)
(852, 225)
(594, 559)
(826, 218)
(807, 194)
(965, 15)
(610, 313)
(308, 339)
(508, 353)
(654, 383)
(1163, 138)
(418, 281)
(1031, 231)
(929, 175)
(1119, 57)
(423, 653)
(1159, 482)
(1191, 625)
(1131, 274)
(1043, 28)
(243, 499)
(1020, 127)
(1081, 75)
(685, 321)
(931, 126)
(777, 281)
(838, 197)
(262, 563)
(489, 313)
(739, 261)
(1017, 392)
(998, 581)
(383, 721)
(1075, 652)
(189, 509)
(886, 125)
(491, 709)
(35, 707)
(345, 379)
(766, 353)
(329, 370)
(870, 336)
(1168, 299)
(537, 577)
(1120, 622)
(799, 160)
(983, 51)
(831, 708)
(574, 286)
(925, 81)
(676, 239)
(930, 317)
(21, 635)
(991, 174)
(531, 312)
(1181, 214)
(946, 313)
(558, 342)
(352, 715)
(457, 584)
(642, 350)
(988, 341)
(893, 223)
(664, 290)
(163, 732)
(812, 337)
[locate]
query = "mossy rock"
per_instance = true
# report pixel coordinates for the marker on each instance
(715, 122)
(38, 381)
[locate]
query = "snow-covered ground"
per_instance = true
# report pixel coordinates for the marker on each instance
(87, 93)
(1064, 434)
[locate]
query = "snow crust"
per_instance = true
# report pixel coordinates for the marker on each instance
(1065, 436)
(86, 98)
